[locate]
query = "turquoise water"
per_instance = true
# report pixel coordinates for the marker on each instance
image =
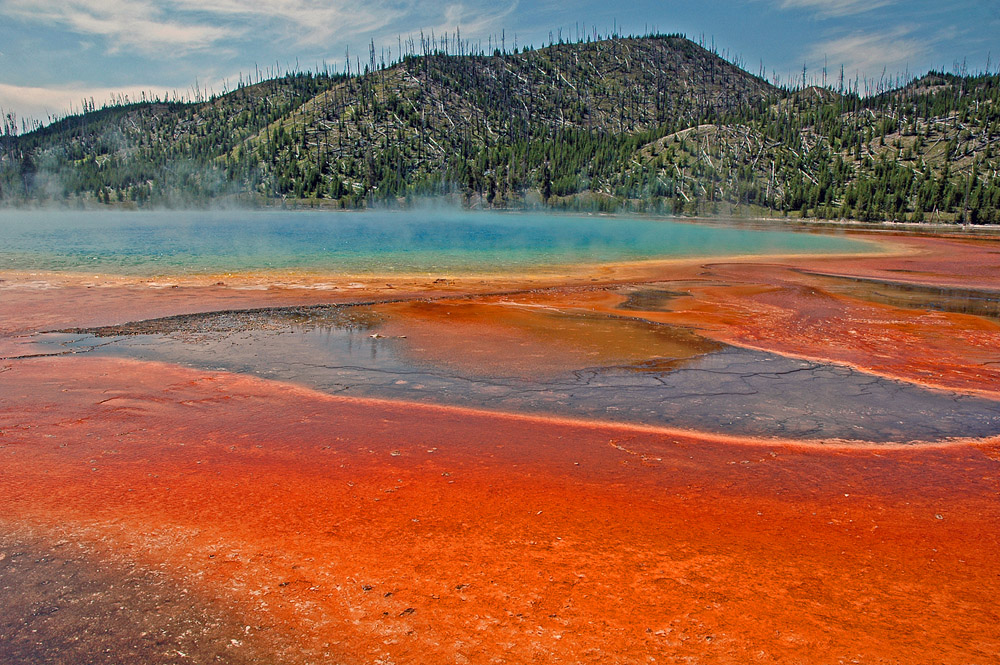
(185, 242)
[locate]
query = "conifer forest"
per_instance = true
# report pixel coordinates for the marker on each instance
(656, 124)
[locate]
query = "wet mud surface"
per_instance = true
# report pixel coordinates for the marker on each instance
(186, 479)
(522, 356)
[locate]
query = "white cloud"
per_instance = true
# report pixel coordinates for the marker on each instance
(177, 27)
(869, 54)
(138, 25)
(44, 102)
(303, 21)
(473, 21)
(836, 7)
(171, 28)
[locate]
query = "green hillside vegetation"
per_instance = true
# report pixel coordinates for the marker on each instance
(653, 124)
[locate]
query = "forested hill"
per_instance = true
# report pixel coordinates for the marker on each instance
(654, 124)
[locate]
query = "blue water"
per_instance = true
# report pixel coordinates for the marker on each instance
(185, 242)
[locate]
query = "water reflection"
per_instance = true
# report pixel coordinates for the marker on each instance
(523, 357)
(916, 296)
(649, 299)
(531, 340)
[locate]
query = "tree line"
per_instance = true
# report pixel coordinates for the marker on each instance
(654, 123)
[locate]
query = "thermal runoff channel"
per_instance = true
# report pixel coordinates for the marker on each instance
(440, 436)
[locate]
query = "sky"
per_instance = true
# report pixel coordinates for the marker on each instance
(56, 53)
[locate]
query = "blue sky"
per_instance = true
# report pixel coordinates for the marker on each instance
(54, 53)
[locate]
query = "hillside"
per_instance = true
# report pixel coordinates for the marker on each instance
(927, 151)
(655, 123)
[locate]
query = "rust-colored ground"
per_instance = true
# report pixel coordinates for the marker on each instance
(787, 309)
(415, 534)
(342, 530)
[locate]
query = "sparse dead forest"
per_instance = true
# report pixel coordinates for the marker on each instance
(653, 124)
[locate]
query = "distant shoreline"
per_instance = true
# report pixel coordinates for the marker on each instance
(908, 228)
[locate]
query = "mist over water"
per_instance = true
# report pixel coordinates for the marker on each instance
(415, 241)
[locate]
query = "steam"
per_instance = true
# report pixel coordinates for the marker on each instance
(433, 239)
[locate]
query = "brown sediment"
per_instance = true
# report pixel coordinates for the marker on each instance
(537, 339)
(24, 310)
(63, 604)
(374, 530)
(368, 531)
